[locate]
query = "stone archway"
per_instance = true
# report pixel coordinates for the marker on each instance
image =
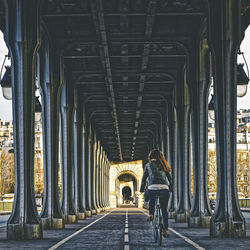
(133, 169)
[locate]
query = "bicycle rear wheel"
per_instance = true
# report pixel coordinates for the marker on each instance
(155, 232)
(160, 232)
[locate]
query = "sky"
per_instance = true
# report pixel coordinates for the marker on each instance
(242, 103)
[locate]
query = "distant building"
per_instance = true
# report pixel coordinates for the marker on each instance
(242, 159)
(7, 144)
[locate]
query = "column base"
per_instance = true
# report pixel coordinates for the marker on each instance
(46, 223)
(171, 215)
(202, 221)
(98, 210)
(81, 216)
(24, 232)
(231, 229)
(93, 212)
(70, 219)
(57, 223)
(181, 217)
(88, 213)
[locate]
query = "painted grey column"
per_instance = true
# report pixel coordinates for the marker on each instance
(105, 180)
(97, 181)
(101, 177)
(22, 36)
(224, 40)
(182, 212)
(68, 208)
(90, 174)
(108, 181)
(94, 170)
(51, 214)
(87, 172)
(200, 213)
(78, 178)
(173, 162)
(83, 170)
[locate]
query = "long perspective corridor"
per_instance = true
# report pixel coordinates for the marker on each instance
(110, 80)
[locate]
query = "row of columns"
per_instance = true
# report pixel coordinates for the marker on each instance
(86, 160)
(84, 163)
(192, 102)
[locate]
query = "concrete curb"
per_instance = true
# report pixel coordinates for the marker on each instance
(5, 212)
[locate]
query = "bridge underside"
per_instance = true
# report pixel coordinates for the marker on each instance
(118, 78)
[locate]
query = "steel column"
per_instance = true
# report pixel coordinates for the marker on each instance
(68, 208)
(173, 162)
(97, 168)
(182, 212)
(22, 35)
(87, 171)
(200, 212)
(51, 214)
(224, 40)
(78, 158)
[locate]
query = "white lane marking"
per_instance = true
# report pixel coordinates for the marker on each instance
(77, 232)
(126, 225)
(197, 246)
(126, 230)
(187, 240)
(125, 238)
(126, 247)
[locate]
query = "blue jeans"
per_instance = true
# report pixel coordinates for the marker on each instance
(164, 196)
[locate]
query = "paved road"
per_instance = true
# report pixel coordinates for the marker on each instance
(125, 229)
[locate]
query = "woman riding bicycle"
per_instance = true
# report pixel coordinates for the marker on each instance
(157, 170)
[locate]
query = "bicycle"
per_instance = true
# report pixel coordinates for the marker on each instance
(157, 222)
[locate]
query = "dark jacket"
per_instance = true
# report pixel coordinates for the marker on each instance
(155, 176)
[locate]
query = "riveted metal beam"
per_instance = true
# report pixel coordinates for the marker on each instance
(150, 18)
(98, 17)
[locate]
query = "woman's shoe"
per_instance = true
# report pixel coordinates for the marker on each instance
(150, 217)
(165, 234)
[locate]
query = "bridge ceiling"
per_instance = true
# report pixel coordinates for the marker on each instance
(124, 58)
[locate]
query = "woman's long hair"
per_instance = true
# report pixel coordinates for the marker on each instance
(162, 163)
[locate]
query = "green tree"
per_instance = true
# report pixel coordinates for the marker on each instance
(7, 176)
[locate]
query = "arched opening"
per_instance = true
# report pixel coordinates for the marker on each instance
(127, 188)
(126, 194)
(125, 175)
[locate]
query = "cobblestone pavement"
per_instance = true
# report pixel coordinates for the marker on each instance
(124, 228)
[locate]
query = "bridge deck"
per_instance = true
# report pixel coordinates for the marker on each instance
(107, 231)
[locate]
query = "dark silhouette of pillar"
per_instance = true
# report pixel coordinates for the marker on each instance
(22, 36)
(173, 162)
(50, 64)
(78, 171)
(224, 39)
(68, 208)
(83, 171)
(97, 171)
(88, 151)
(101, 177)
(182, 211)
(93, 175)
(200, 213)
